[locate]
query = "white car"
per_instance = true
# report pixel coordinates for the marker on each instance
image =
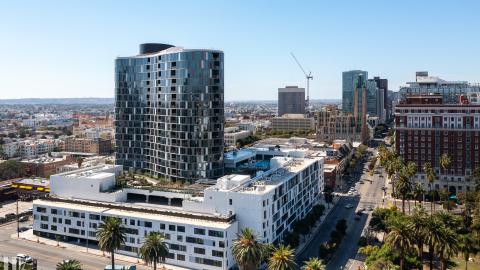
(350, 193)
(24, 258)
(348, 206)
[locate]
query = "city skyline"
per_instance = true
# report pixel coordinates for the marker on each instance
(63, 47)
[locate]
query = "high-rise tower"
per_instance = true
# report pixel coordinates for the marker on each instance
(169, 112)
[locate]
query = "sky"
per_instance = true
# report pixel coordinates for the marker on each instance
(55, 49)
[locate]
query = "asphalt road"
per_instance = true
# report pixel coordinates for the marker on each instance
(371, 194)
(47, 256)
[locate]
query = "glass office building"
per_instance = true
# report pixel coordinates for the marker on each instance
(169, 112)
(349, 79)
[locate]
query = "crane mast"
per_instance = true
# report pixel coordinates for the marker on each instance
(308, 77)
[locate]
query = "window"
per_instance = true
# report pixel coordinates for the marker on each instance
(79, 223)
(180, 257)
(53, 227)
(215, 233)
(132, 222)
(199, 231)
(230, 201)
(44, 226)
(68, 221)
(41, 209)
(178, 247)
(171, 227)
(181, 228)
(221, 244)
(44, 218)
(73, 231)
(171, 256)
(54, 211)
(217, 253)
(148, 224)
(179, 238)
(199, 250)
(162, 226)
(94, 217)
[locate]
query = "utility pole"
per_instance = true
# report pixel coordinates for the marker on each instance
(18, 224)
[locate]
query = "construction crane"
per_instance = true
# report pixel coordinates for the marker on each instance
(308, 76)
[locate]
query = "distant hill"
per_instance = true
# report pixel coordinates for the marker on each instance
(59, 101)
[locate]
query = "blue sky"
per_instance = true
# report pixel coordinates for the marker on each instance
(67, 48)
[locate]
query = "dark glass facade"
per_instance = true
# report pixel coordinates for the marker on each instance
(169, 113)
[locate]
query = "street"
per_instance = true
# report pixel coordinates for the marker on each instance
(47, 256)
(371, 194)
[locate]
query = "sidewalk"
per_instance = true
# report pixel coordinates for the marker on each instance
(29, 236)
(315, 229)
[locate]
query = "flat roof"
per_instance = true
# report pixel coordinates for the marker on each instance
(116, 209)
(33, 181)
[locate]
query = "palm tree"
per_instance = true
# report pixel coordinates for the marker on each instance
(248, 252)
(418, 192)
(154, 249)
(430, 173)
(445, 163)
(403, 183)
(313, 264)
(392, 166)
(400, 236)
(111, 236)
(69, 265)
(468, 247)
(433, 237)
(447, 246)
(283, 258)
(419, 222)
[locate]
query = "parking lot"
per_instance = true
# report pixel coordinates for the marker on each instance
(10, 207)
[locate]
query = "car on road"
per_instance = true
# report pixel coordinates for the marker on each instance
(24, 258)
(349, 205)
(10, 216)
(23, 219)
(370, 208)
(350, 193)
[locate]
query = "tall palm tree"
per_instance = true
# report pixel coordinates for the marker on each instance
(419, 222)
(283, 258)
(418, 192)
(430, 173)
(400, 236)
(313, 264)
(468, 247)
(69, 265)
(404, 184)
(433, 237)
(445, 163)
(111, 236)
(248, 252)
(391, 167)
(154, 249)
(447, 246)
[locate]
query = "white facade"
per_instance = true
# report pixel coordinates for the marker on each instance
(200, 229)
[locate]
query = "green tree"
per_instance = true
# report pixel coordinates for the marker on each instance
(404, 184)
(433, 237)
(445, 163)
(313, 264)
(111, 236)
(447, 246)
(430, 173)
(400, 236)
(282, 258)
(248, 252)
(154, 249)
(419, 222)
(69, 265)
(468, 246)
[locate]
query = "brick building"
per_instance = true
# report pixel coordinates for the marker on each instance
(427, 128)
(85, 145)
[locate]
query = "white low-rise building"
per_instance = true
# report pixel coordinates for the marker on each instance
(200, 227)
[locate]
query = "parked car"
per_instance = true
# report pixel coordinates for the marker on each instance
(22, 229)
(10, 216)
(24, 258)
(23, 219)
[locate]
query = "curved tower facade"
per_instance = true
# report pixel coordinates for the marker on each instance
(169, 112)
